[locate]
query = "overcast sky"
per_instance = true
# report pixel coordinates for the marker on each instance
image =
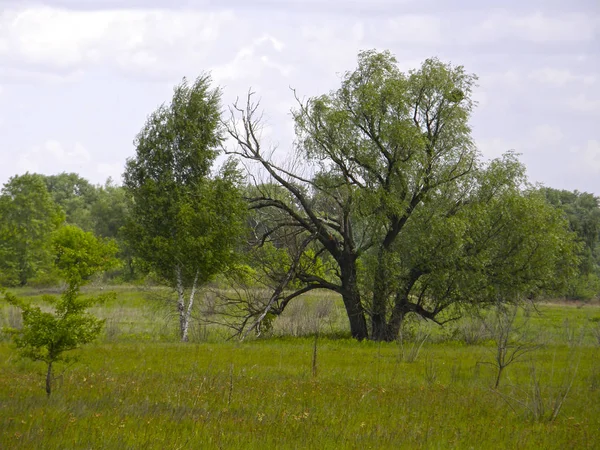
(79, 77)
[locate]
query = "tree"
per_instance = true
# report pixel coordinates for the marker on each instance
(75, 195)
(47, 336)
(583, 213)
(184, 223)
(28, 217)
(109, 213)
(388, 192)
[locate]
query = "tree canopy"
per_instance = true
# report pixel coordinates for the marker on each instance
(390, 192)
(184, 223)
(29, 216)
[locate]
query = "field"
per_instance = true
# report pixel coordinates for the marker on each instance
(137, 387)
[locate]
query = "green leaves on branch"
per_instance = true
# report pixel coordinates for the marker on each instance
(399, 204)
(185, 223)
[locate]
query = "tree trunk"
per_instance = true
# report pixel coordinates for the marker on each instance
(401, 307)
(49, 379)
(183, 323)
(379, 303)
(188, 311)
(352, 303)
(500, 369)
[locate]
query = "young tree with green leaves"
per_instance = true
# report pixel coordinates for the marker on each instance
(185, 224)
(28, 216)
(48, 336)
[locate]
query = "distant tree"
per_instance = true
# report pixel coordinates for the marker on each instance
(583, 213)
(47, 336)
(109, 213)
(110, 209)
(28, 216)
(184, 224)
(388, 192)
(75, 195)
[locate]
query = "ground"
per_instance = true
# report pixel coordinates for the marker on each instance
(137, 387)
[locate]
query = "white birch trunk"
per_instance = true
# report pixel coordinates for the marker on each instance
(188, 311)
(181, 304)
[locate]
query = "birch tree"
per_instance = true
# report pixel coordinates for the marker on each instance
(184, 222)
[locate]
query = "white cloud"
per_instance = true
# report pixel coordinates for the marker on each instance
(509, 78)
(537, 27)
(586, 159)
(541, 139)
(549, 159)
(276, 43)
(251, 60)
(494, 148)
(542, 28)
(52, 154)
(68, 40)
(114, 171)
(560, 77)
(583, 103)
(414, 29)
(543, 136)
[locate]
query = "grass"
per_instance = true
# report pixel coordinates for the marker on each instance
(137, 387)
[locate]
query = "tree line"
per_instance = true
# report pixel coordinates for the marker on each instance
(383, 198)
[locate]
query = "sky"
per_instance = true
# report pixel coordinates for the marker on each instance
(78, 78)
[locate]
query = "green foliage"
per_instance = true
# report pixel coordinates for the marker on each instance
(181, 216)
(583, 213)
(47, 336)
(402, 214)
(75, 195)
(185, 224)
(79, 254)
(110, 212)
(28, 217)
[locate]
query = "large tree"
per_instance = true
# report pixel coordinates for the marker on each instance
(28, 216)
(184, 223)
(390, 195)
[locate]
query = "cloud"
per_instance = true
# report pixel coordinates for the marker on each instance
(550, 159)
(54, 156)
(536, 27)
(414, 29)
(112, 170)
(560, 77)
(63, 41)
(586, 159)
(543, 140)
(543, 136)
(584, 104)
(507, 78)
(251, 60)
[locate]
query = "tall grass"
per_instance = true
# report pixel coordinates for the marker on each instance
(138, 387)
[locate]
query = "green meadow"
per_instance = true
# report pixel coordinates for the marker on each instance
(305, 384)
